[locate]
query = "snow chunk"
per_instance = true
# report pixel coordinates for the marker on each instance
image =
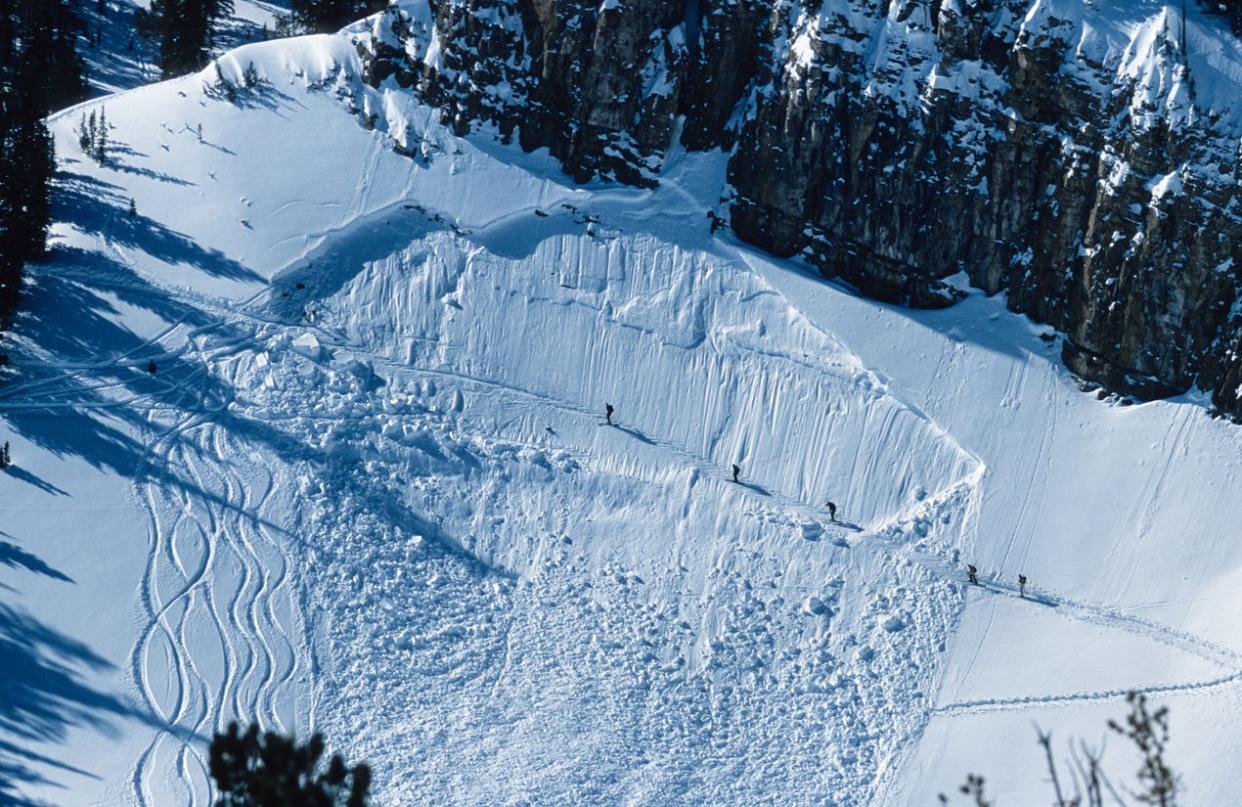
(893, 623)
(814, 606)
(307, 345)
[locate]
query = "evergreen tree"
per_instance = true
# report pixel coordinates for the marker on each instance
(57, 31)
(27, 162)
(185, 30)
(268, 770)
(85, 132)
(328, 16)
(40, 71)
(48, 32)
(99, 145)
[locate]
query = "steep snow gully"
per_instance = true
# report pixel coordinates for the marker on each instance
(368, 488)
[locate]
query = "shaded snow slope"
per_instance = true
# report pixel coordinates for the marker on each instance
(117, 59)
(369, 490)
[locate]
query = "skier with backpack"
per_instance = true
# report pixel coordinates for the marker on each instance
(736, 470)
(832, 512)
(608, 413)
(1022, 586)
(972, 573)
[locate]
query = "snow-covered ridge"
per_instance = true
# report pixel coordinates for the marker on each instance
(369, 490)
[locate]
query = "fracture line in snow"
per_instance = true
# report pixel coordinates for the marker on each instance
(250, 613)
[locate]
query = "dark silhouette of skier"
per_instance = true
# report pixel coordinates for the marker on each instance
(736, 471)
(151, 367)
(972, 573)
(832, 512)
(1022, 586)
(608, 413)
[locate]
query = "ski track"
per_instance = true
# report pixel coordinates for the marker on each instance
(880, 537)
(1095, 614)
(1012, 704)
(238, 600)
(260, 657)
(237, 608)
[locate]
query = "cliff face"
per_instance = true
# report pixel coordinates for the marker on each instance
(1082, 157)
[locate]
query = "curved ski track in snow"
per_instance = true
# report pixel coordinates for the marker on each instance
(216, 567)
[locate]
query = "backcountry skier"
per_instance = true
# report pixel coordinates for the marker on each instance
(832, 512)
(608, 413)
(972, 573)
(736, 470)
(1022, 586)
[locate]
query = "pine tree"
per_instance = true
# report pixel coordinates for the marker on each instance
(84, 133)
(26, 170)
(268, 770)
(185, 32)
(40, 71)
(99, 146)
(329, 16)
(56, 39)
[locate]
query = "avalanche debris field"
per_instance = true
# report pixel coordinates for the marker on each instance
(316, 437)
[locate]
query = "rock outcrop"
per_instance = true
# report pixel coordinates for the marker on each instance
(1080, 156)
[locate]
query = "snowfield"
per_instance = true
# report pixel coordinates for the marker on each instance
(369, 489)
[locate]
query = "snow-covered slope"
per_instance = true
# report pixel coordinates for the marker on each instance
(369, 490)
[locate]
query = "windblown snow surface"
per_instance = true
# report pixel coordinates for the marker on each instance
(369, 491)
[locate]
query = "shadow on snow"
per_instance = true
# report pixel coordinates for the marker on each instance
(43, 695)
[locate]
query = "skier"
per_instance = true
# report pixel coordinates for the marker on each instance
(608, 413)
(151, 367)
(832, 512)
(1022, 586)
(972, 573)
(736, 471)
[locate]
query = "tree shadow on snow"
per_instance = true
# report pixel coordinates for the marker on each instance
(93, 205)
(149, 173)
(44, 694)
(84, 364)
(22, 475)
(15, 557)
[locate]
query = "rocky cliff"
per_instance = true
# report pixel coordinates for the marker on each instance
(1080, 156)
